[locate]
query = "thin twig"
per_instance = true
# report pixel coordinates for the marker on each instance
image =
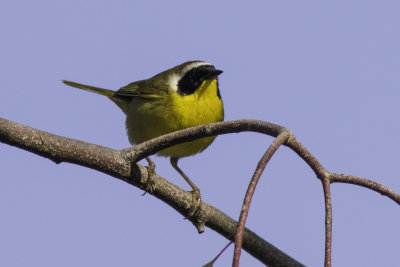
(350, 179)
(279, 140)
(324, 177)
(309, 158)
(328, 221)
(219, 254)
(150, 147)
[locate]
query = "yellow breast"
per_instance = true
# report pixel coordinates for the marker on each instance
(147, 119)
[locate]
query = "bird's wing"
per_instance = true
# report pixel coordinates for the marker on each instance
(140, 89)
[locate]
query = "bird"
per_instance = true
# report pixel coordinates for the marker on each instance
(184, 96)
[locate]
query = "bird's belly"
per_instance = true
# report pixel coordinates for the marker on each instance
(149, 119)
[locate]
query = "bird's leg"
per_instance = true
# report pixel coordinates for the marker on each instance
(151, 171)
(196, 198)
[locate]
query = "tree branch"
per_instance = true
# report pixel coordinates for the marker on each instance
(119, 164)
(122, 165)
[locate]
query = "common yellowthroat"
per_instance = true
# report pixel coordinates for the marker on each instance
(181, 97)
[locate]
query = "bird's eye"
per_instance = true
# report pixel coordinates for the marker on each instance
(191, 81)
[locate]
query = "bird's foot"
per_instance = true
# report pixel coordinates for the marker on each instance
(195, 205)
(196, 212)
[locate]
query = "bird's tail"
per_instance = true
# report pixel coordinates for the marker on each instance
(123, 104)
(89, 88)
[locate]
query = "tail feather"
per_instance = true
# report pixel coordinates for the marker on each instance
(123, 104)
(89, 88)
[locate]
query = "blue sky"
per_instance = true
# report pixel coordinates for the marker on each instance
(329, 71)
